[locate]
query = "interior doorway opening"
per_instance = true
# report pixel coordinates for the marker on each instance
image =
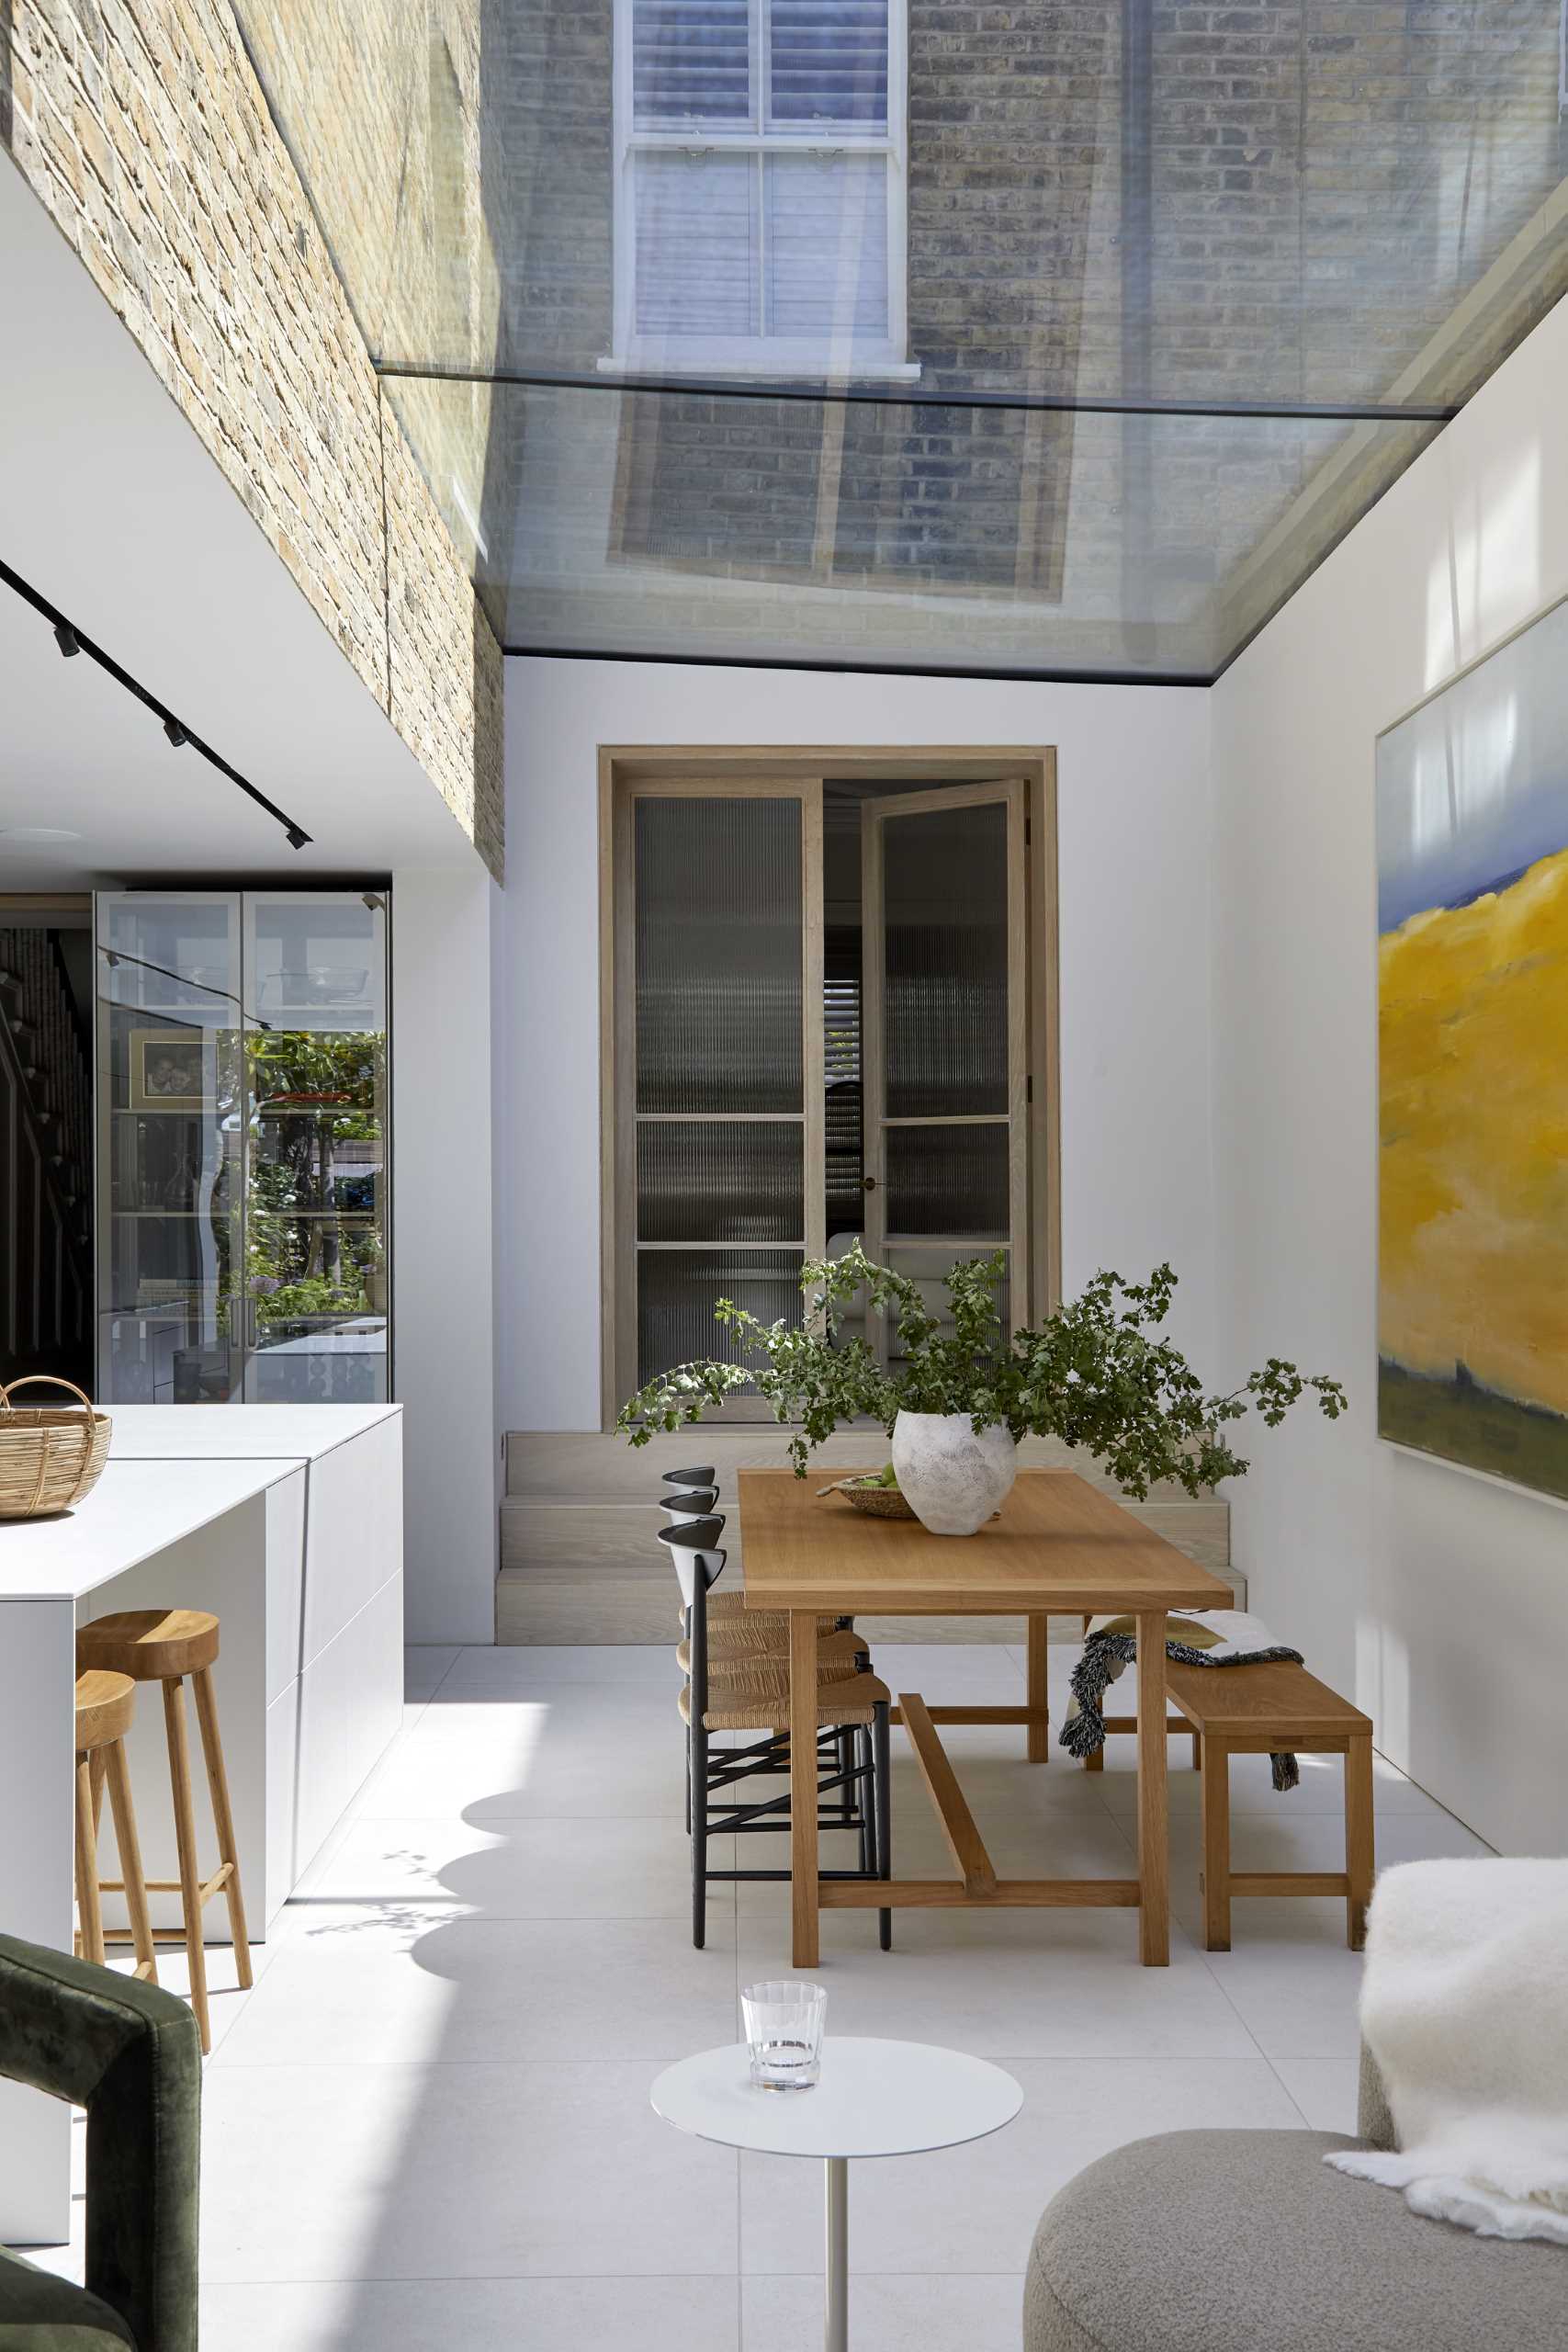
(46, 1140)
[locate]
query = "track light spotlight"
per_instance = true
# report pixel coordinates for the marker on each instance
(70, 642)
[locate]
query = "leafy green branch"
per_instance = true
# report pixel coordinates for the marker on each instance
(1099, 1373)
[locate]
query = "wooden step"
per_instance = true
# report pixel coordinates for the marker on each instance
(580, 1562)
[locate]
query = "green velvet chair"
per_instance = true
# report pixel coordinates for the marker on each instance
(130, 2055)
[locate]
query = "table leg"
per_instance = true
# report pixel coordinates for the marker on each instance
(1154, 1815)
(836, 2318)
(802, 1794)
(1039, 1734)
(1357, 1838)
(1216, 1845)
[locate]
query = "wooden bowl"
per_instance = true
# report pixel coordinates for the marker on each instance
(877, 1502)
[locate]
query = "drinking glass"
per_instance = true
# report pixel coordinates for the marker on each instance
(783, 2027)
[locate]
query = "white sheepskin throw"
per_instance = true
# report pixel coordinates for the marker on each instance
(1464, 2007)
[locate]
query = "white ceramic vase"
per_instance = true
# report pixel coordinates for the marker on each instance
(952, 1476)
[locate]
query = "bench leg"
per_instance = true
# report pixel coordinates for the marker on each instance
(1358, 1857)
(1216, 1843)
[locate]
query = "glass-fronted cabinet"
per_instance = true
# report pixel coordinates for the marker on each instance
(242, 1169)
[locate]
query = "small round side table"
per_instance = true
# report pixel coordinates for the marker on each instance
(875, 2099)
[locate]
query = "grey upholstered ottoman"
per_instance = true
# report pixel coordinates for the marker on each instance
(1247, 2241)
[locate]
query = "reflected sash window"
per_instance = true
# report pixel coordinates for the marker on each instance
(760, 219)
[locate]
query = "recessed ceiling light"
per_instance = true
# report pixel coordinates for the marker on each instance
(36, 833)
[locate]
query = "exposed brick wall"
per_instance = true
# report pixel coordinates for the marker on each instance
(144, 131)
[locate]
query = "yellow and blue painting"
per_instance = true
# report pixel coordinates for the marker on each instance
(1473, 1004)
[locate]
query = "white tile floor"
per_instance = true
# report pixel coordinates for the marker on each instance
(429, 2120)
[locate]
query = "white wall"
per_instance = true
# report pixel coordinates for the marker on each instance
(443, 1287)
(1133, 797)
(1444, 1595)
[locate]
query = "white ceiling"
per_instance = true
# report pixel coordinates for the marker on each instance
(112, 509)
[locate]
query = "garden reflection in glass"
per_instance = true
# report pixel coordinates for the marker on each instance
(242, 1123)
(316, 1295)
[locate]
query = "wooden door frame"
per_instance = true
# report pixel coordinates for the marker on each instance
(727, 770)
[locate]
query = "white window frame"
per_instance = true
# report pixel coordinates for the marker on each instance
(837, 355)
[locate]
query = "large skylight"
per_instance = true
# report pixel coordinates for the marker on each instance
(924, 336)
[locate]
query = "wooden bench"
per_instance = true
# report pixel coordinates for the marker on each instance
(1264, 1710)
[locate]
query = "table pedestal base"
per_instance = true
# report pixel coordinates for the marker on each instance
(836, 2315)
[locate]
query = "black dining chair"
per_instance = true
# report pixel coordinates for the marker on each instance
(750, 1693)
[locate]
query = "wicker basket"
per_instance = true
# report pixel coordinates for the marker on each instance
(51, 1456)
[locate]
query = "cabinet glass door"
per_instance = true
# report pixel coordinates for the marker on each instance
(170, 1129)
(314, 1308)
(945, 1042)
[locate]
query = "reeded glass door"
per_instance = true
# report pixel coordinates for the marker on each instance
(719, 1021)
(314, 1315)
(945, 1033)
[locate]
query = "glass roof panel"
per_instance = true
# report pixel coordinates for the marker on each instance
(925, 538)
(1293, 205)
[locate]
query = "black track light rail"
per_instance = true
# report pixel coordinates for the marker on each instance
(845, 395)
(71, 641)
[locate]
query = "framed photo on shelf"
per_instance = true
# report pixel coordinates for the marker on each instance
(169, 1069)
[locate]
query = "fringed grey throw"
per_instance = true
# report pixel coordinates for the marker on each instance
(1106, 1651)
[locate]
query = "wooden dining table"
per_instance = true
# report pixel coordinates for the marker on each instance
(1057, 1547)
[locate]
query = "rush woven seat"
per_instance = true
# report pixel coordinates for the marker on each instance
(763, 1704)
(732, 1626)
(837, 1653)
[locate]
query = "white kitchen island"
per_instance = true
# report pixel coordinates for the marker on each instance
(286, 1521)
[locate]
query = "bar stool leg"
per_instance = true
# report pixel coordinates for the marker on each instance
(222, 1815)
(87, 1866)
(98, 1766)
(185, 1840)
(119, 1776)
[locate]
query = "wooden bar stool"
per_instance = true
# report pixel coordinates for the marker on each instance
(106, 1704)
(164, 1645)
